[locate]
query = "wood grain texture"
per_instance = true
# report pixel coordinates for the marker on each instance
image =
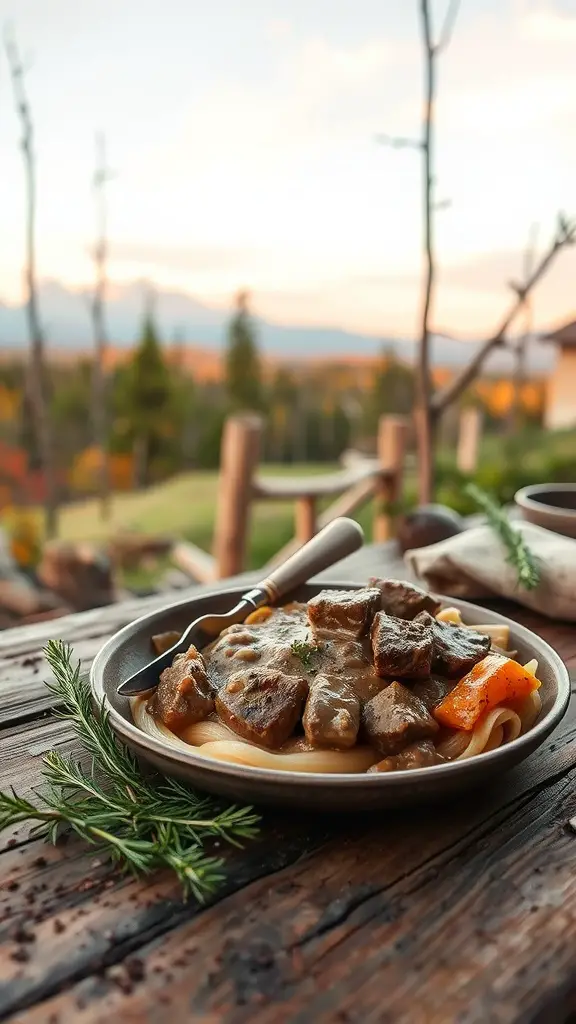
(464, 912)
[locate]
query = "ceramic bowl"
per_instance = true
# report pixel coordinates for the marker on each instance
(552, 506)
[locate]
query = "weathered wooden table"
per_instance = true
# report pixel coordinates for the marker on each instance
(461, 913)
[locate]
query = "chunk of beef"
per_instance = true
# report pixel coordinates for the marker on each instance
(401, 649)
(456, 649)
(417, 755)
(262, 706)
(332, 714)
(162, 642)
(432, 691)
(404, 600)
(184, 694)
(395, 718)
(343, 611)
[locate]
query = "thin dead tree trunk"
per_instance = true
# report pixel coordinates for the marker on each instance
(521, 347)
(37, 381)
(99, 389)
(425, 413)
(430, 405)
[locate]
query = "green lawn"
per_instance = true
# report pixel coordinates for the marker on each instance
(185, 507)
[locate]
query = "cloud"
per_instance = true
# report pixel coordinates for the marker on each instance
(278, 28)
(199, 258)
(549, 22)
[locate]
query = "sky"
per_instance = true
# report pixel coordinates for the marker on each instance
(243, 140)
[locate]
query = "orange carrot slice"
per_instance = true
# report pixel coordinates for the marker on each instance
(493, 681)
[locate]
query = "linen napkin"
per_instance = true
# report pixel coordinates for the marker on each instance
(473, 565)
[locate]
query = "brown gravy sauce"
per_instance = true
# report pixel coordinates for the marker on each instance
(275, 645)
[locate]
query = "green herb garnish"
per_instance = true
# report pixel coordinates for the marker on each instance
(305, 650)
(519, 554)
(111, 805)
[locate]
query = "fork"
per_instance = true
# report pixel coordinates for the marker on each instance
(337, 540)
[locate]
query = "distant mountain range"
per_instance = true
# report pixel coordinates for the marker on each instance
(66, 319)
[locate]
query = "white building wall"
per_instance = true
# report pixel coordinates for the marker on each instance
(561, 392)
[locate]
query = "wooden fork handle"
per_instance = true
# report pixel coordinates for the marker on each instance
(337, 540)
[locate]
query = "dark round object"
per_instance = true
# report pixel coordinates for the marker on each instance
(428, 524)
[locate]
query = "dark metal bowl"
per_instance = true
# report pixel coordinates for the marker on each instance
(552, 506)
(130, 648)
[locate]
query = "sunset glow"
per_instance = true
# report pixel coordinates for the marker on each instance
(243, 141)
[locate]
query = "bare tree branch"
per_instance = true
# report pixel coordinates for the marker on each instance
(565, 235)
(398, 142)
(447, 27)
(36, 377)
(102, 175)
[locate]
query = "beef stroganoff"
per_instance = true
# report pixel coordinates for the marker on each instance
(380, 679)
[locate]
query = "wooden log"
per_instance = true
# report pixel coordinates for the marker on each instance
(239, 458)
(196, 563)
(305, 519)
(392, 438)
(469, 436)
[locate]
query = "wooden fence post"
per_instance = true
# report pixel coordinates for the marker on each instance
(392, 438)
(469, 435)
(305, 518)
(238, 460)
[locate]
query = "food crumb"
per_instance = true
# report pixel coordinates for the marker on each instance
(59, 926)
(39, 862)
(23, 934)
(135, 968)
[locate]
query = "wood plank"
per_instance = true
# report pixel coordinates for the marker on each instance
(467, 911)
(321, 486)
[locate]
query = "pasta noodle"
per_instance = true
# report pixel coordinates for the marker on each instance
(207, 732)
(212, 739)
(327, 762)
(500, 725)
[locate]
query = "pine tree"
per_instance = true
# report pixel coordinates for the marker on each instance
(147, 399)
(393, 390)
(243, 374)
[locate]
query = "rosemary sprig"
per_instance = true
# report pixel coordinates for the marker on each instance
(140, 824)
(519, 554)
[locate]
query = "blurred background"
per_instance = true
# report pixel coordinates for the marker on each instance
(246, 218)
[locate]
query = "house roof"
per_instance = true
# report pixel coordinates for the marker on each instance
(565, 336)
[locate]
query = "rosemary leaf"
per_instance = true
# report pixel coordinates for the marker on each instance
(141, 824)
(519, 554)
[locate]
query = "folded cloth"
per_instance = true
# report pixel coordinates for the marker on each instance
(473, 565)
